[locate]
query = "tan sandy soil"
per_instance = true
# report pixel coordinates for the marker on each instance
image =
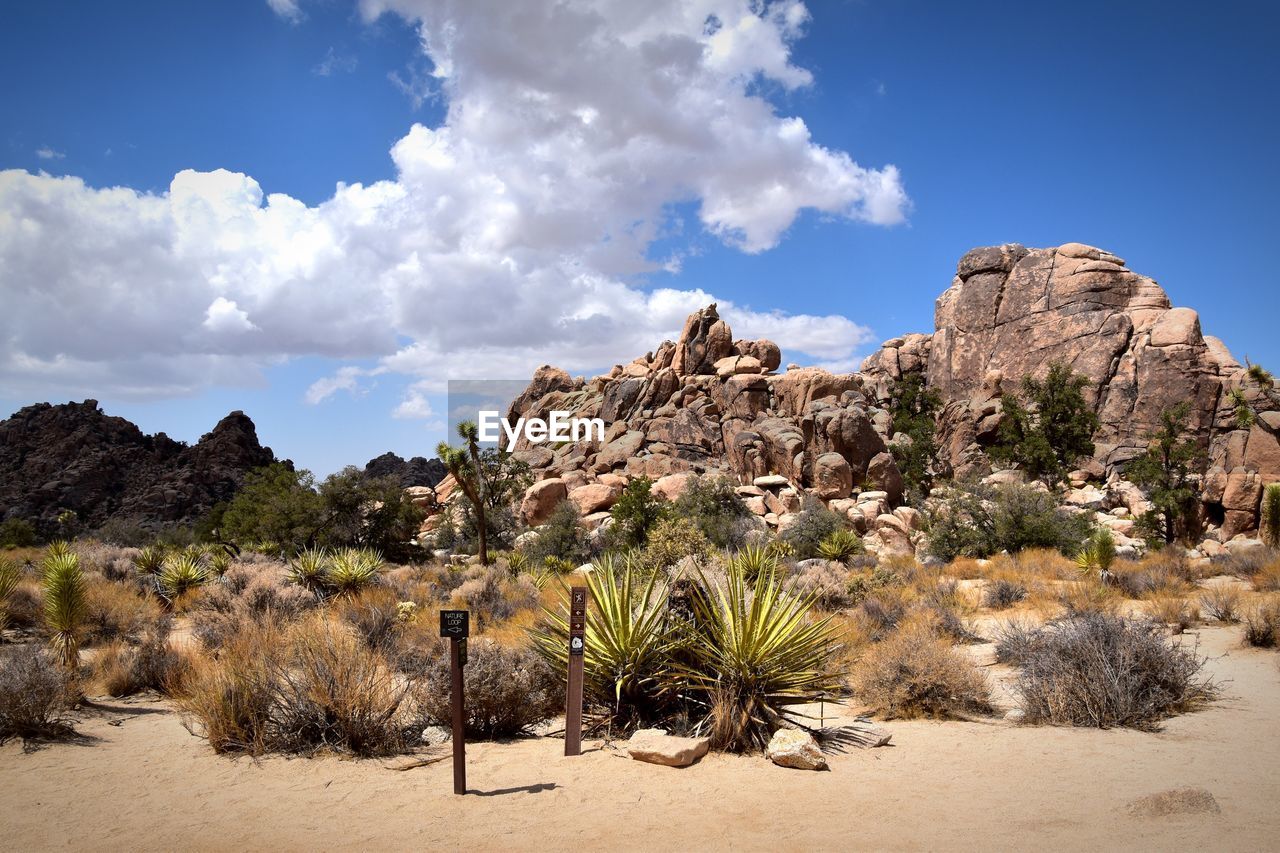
(146, 784)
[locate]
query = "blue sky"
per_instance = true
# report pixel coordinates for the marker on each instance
(1146, 128)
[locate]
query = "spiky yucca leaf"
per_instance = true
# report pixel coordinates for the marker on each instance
(182, 572)
(840, 546)
(353, 569)
(755, 560)
(57, 549)
(219, 562)
(10, 573)
(309, 568)
(149, 561)
(1098, 553)
(626, 663)
(65, 605)
(756, 654)
(1270, 527)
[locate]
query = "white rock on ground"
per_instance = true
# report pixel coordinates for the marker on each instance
(657, 747)
(796, 749)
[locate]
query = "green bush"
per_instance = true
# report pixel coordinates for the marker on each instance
(1049, 430)
(561, 536)
(715, 508)
(17, 533)
(672, 540)
(813, 525)
(636, 512)
(978, 521)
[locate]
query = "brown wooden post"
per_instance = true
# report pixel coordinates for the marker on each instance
(577, 647)
(455, 624)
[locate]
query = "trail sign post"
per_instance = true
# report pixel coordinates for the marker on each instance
(456, 625)
(577, 647)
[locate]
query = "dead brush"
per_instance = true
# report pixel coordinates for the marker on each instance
(1100, 670)
(1221, 603)
(115, 612)
(915, 673)
(1262, 624)
(36, 695)
(509, 690)
(1002, 593)
(1081, 597)
(1178, 613)
(124, 669)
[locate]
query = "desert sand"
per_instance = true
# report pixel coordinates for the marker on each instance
(140, 781)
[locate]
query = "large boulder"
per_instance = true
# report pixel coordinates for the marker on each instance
(540, 499)
(594, 497)
(705, 340)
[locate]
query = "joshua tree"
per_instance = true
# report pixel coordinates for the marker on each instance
(1265, 383)
(464, 464)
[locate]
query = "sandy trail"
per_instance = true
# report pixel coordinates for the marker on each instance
(146, 784)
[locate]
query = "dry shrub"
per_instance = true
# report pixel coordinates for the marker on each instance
(1178, 613)
(226, 698)
(508, 690)
(1044, 564)
(1221, 603)
(24, 608)
(492, 595)
(1002, 594)
(116, 612)
(35, 695)
(121, 669)
(373, 614)
(878, 615)
(1100, 670)
(1153, 577)
(1248, 563)
(1262, 624)
(1014, 640)
(915, 673)
(111, 561)
(1081, 597)
(1267, 577)
(313, 687)
(826, 581)
(246, 594)
(335, 693)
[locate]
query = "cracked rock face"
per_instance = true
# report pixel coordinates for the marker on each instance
(1011, 311)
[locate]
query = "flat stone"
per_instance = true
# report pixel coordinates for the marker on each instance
(795, 749)
(657, 747)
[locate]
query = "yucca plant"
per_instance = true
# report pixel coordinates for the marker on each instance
(1270, 527)
(58, 549)
(353, 569)
(755, 560)
(219, 562)
(756, 653)
(309, 568)
(149, 561)
(1098, 553)
(517, 562)
(182, 572)
(10, 574)
(65, 605)
(629, 645)
(841, 546)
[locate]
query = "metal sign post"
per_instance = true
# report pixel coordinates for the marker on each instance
(456, 625)
(577, 646)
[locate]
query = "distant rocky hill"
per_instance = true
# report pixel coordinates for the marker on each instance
(418, 471)
(55, 458)
(707, 402)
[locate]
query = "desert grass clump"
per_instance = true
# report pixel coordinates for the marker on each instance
(227, 698)
(36, 695)
(1178, 613)
(65, 605)
(509, 690)
(247, 595)
(334, 693)
(10, 574)
(1001, 594)
(113, 611)
(123, 669)
(915, 673)
(1088, 596)
(1103, 671)
(1221, 603)
(493, 596)
(1262, 624)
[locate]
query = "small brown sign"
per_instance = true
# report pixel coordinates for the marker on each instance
(455, 623)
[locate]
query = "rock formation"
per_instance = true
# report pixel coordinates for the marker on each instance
(1011, 311)
(418, 471)
(74, 457)
(708, 403)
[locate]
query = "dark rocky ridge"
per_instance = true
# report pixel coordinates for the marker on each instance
(418, 471)
(74, 457)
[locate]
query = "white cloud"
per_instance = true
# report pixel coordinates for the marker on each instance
(335, 63)
(509, 238)
(290, 10)
(44, 152)
(414, 406)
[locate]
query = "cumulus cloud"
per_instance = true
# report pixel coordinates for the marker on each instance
(290, 10)
(511, 236)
